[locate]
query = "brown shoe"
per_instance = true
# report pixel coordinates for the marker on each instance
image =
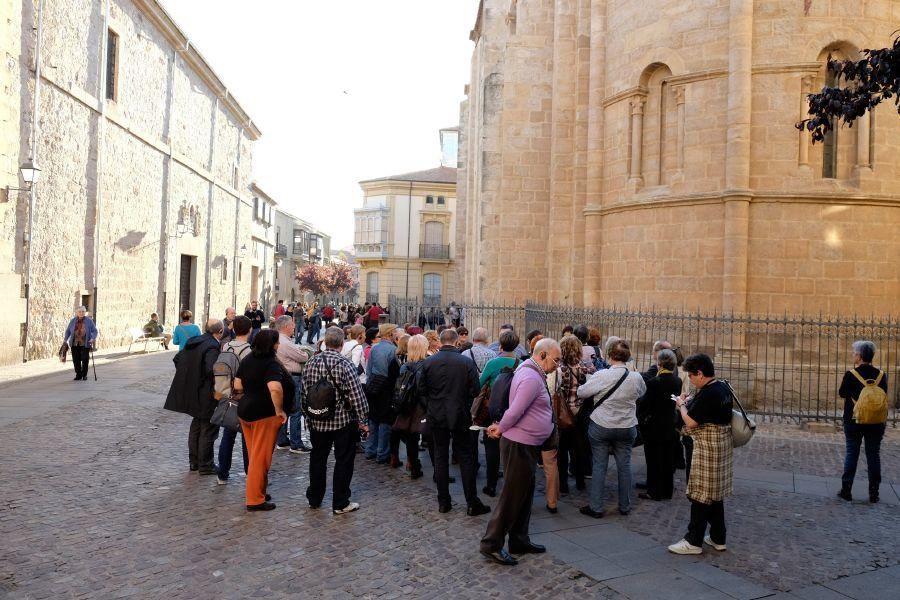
(395, 461)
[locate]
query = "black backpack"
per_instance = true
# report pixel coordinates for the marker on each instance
(500, 392)
(321, 398)
(404, 397)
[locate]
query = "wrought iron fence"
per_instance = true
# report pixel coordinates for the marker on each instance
(783, 367)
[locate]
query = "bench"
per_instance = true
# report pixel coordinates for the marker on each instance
(137, 336)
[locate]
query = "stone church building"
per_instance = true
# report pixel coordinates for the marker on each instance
(143, 203)
(622, 152)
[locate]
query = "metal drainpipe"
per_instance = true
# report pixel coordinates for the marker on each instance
(31, 195)
(209, 210)
(408, 237)
(101, 132)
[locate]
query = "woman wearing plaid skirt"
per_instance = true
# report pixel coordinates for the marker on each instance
(707, 419)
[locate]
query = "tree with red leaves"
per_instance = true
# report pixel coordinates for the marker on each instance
(321, 280)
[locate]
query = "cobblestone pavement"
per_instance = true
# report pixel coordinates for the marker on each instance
(96, 501)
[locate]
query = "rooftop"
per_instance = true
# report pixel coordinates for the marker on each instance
(438, 175)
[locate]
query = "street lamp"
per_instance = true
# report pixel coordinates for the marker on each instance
(243, 251)
(30, 174)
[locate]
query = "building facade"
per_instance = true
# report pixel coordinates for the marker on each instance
(143, 202)
(298, 243)
(644, 153)
(404, 236)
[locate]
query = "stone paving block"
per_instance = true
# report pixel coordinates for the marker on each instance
(882, 584)
(669, 585)
(564, 550)
(607, 539)
(741, 485)
(734, 586)
(816, 592)
(653, 558)
(602, 569)
(767, 475)
(558, 523)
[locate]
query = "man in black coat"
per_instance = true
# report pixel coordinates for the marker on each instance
(447, 383)
(191, 393)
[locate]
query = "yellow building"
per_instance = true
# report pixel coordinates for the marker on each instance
(403, 238)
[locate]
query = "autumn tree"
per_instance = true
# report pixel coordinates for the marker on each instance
(860, 86)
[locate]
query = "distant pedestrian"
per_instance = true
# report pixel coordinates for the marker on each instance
(81, 335)
(279, 309)
(863, 375)
(524, 428)
(257, 318)
(154, 329)
(191, 393)
(707, 419)
(268, 396)
(228, 322)
(340, 429)
(521, 351)
(185, 330)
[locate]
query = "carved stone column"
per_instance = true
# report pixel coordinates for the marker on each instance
(805, 89)
(637, 139)
(678, 92)
(863, 157)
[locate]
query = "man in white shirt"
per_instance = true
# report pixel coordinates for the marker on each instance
(354, 348)
(293, 357)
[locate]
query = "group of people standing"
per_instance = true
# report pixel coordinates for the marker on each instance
(566, 405)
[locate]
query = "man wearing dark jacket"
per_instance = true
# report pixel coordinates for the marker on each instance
(191, 393)
(447, 383)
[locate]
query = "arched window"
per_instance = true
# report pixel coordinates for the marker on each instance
(658, 144)
(431, 289)
(843, 147)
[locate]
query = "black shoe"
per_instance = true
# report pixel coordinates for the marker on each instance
(845, 493)
(586, 510)
(194, 468)
(268, 497)
(444, 508)
(552, 509)
(416, 474)
(873, 496)
(489, 491)
(501, 557)
(646, 496)
(77, 378)
(529, 549)
(208, 472)
(263, 506)
(641, 485)
(477, 509)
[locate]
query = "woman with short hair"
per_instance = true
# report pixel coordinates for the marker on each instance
(612, 424)
(267, 391)
(656, 417)
(185, 330)
(707, 420)
(81, 333)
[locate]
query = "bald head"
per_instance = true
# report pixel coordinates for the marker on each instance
(547, 354)
(214, 327)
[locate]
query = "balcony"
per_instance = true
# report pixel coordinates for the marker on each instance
(374, 250)
(434, 251)
(281, 250)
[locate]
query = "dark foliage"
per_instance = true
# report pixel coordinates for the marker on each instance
(863, 84)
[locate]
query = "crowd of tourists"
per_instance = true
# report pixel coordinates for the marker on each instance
(566, 406)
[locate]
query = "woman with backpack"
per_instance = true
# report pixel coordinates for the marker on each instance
(573, 444)
(409, 410)
(863, 380)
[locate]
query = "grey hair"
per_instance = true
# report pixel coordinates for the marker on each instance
(449, 337)
(665, 358)
(283, 320)
(661, 345)
(214, 326)
(334, 338)
(480, 335)
(865, 349)
(610, 342)
(84, 308)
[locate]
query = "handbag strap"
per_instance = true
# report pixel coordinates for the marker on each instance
(735, 398)
(610, 392)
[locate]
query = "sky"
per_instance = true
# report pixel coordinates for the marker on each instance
(342, 90)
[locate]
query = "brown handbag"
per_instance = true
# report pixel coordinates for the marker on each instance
(480, 413)
(565, 418)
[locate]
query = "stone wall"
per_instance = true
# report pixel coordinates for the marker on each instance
(644, 153)
(118, 176)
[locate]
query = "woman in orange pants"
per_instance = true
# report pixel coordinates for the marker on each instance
(265, 385)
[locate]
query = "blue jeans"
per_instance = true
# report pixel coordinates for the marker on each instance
(854, 435)
(291, 432)
(226, 448)
(378, 446)
(619, 441)
(299, 329)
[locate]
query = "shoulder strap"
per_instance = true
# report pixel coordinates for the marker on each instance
(611, 391)
(879, 378)
(861, 378)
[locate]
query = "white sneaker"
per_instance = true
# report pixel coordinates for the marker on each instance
(347, 509)
(720, 547)
(221, 481)
(685, 547)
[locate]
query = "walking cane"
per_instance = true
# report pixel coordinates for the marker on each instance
(93, 362)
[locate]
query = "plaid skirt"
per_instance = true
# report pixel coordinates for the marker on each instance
(712, 464)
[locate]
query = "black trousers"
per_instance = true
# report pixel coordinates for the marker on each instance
(491, 461)
(701, 514)
(81, 357)
(572, 445)
(344, 442)
(660, 468)
(201, 439)
(462, 449)
(512, 515)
